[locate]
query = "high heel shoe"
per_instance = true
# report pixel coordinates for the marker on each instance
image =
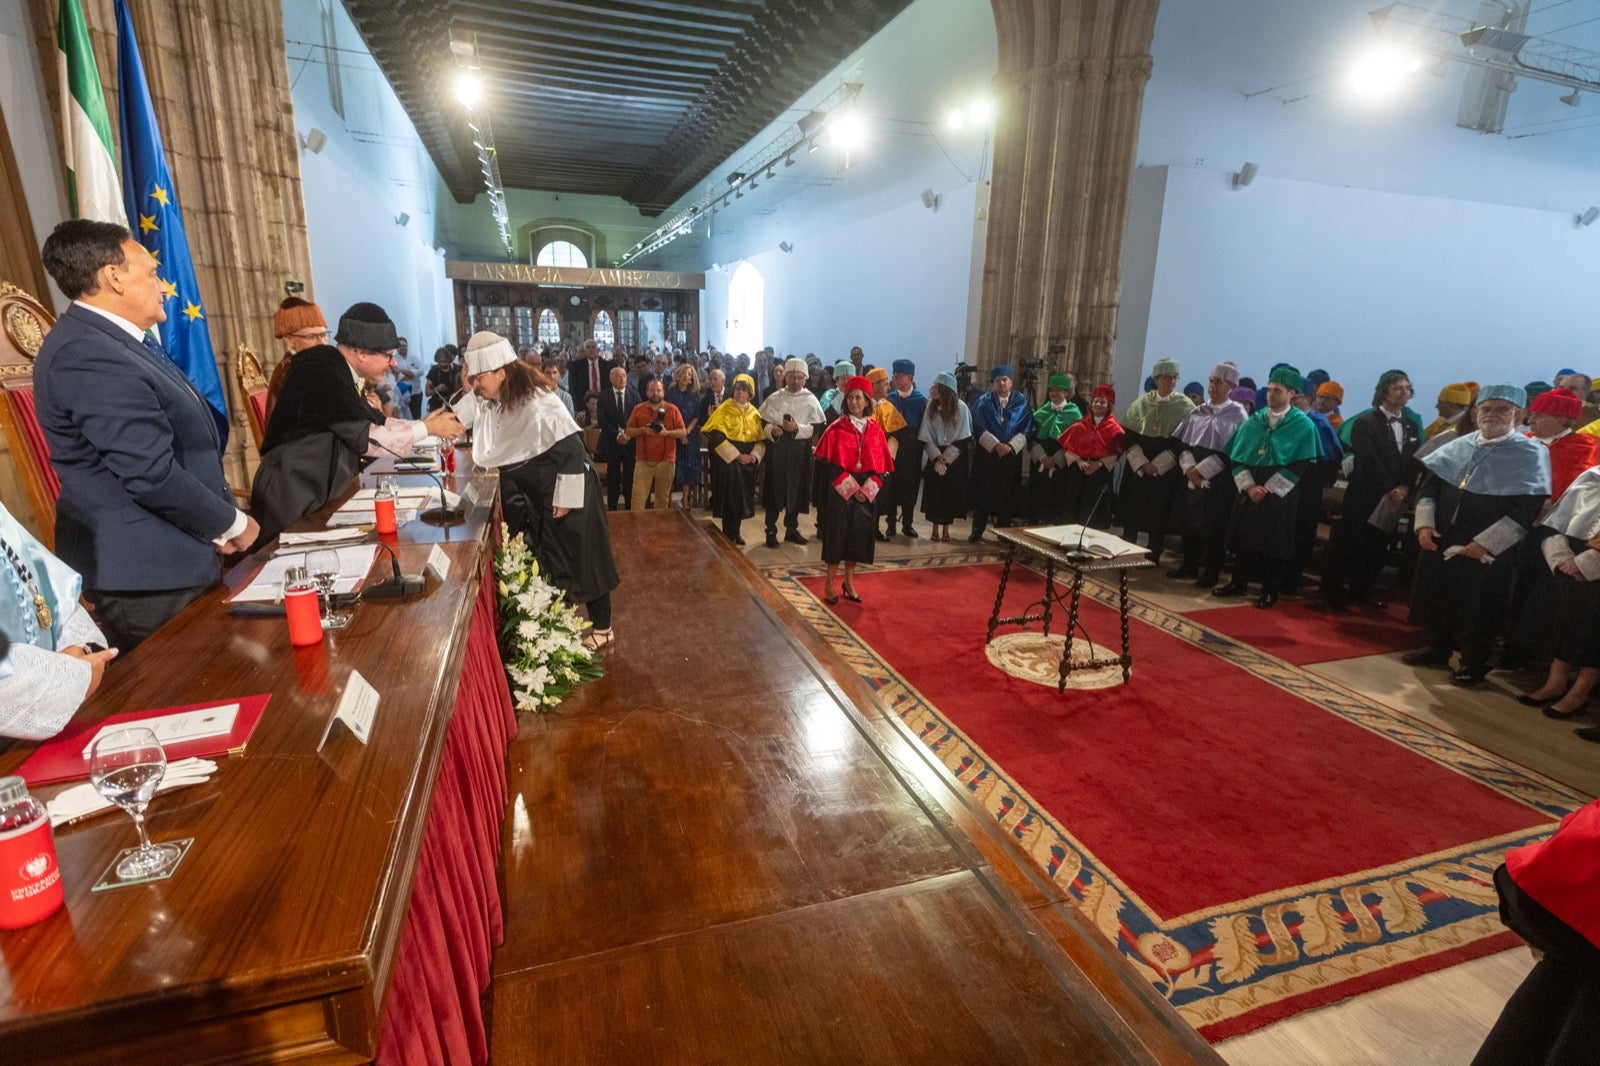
(597, 640)
(850, 594)
(1562, 716)
(830, 598)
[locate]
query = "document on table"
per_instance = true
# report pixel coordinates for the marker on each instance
(267, 586)
(357, 510)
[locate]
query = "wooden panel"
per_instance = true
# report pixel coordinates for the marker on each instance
(726, 851)
(281, 925)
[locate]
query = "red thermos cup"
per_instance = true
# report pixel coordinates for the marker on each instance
(30, 880)
(301, 608)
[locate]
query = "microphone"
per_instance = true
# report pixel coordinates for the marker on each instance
(447, 402)
(397, 584)
(442, 515)
(1078, 554)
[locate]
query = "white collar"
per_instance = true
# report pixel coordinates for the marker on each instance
(859, 423)
(116, 320)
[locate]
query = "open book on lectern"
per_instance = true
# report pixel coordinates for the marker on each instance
(1095, 542)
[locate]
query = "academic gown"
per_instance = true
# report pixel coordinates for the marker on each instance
(733, 483)
(907, 475)
(851, 460)
(996, 486)
(1491, 493)
(787, 468)
(1047, 475)
(1087, 496)
(574, 551)
(1275, 457)
(1147, 501)
(1320, 475)
(888, 416)
(944, 496)
(1204, 435)
(313, 443)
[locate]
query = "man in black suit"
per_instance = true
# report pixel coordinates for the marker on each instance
(588, 372)
(614, 448)
(145, 509)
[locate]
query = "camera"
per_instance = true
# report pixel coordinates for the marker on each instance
(656, 424)
(291, 288)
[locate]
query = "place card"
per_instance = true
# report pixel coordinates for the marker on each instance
(438, 562)
(357, 709)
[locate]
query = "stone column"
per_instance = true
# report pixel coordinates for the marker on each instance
(219, 79)
(1071, 83)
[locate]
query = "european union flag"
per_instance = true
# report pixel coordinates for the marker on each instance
(157, 224)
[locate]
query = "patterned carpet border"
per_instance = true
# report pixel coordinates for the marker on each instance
(1232, 968)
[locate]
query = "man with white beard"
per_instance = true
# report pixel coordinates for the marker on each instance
(1481, 494)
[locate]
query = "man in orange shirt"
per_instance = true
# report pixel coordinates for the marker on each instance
(656, 427)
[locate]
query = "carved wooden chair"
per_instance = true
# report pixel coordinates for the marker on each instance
(253, 386)
(23, 325)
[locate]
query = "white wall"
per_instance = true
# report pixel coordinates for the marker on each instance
(1358, 281)
(1373, 237)
(372, 169)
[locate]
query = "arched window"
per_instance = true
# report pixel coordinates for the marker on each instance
(561, 254)
(604, 331)
(746, 304)
(549, 327)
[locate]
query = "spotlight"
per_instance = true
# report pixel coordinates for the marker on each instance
(930, 199)
(1245, 176)
(785, 247)
(770, 172)
(314, 140)
(1588, 217)
(956, 118)
(402, 219)
(847, 129)
(981, 111)
(1572, 98)
(1378, 74)
(469, 88)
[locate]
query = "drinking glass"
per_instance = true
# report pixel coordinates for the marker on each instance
(125, 767)
(324, 566)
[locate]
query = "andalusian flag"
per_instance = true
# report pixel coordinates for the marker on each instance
(158, 225)
(91, 158)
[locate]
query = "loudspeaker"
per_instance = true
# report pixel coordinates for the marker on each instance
(1246, 175)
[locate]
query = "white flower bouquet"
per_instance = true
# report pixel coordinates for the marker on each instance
(541, 635)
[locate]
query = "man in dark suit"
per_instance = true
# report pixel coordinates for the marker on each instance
(588, 372)
(615, 449)
(145, 509)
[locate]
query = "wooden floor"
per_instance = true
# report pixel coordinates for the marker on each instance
(683, 830)
(721, 852)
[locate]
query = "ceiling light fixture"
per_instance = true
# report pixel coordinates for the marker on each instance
(468, 88)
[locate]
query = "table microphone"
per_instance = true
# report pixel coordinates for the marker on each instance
(398, 584)
(442, 515)
(1078, 554)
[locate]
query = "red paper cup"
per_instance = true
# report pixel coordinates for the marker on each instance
(305, 620)
(384, 509)
(30, 880)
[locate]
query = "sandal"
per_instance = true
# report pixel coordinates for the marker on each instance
(597, 640)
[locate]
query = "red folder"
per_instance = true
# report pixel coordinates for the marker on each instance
(61, 757)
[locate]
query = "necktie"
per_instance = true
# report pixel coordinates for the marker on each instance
(153, 346)
(594, 375)
(619, 400)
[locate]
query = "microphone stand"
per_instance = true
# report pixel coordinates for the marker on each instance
(1078, 555)
(398, 584)
(442, 515)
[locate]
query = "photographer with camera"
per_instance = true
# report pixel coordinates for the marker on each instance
(655, 427)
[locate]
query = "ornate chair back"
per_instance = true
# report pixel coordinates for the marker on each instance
(23, 325)
(253, 387)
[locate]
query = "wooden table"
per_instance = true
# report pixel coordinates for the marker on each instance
(1022, 540)
(277, 938)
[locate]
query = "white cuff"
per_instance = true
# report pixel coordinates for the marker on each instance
(240, 520)
(1136, 458)
(1589, 564)
(804, 431)
(1244, 480)
(989, 441)
(1427, 509)
(1186, 461)
(1164, 462)
(419, 432)
(1108, 462)
(950, 455)
(846, 487)
(1018, 442)
(1556, 551)
(1279, 485)
(1504, 534)
(1210, 467)
(569, 492)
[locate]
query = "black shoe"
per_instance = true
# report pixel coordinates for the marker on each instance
(1267, 601)
(975, 536)
(1591, 733)
(908, 531)
(772, 540)
(880, 534)
(1232, 588)
(1206, 580)
(794, 537)
(1426, 657)
(1370, 602)
(1467, 678)
(1529, 701)
(1562, 716)
(738, 540)
(1183, 573)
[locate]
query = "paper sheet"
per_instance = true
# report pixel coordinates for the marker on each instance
(267, 586)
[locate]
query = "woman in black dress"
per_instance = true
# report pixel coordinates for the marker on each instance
(549, 490)
(737, 440)
(852, 459)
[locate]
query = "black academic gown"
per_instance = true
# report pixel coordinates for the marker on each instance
(733, 485)
(1147, 503)
(788, 475)
(944, 496)
(574, 551)
(313, 443)
(1204, 513)
(1047, 491)
(1267, 528)
(1461, 602)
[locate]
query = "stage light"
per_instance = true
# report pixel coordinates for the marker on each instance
(1378, 74)
(847, 129)
(981, 111)
(469, 88)
(956, 118)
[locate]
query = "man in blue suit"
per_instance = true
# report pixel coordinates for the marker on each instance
(145, 510)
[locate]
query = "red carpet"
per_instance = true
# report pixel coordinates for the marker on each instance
(1204, 801)
(1297, 634)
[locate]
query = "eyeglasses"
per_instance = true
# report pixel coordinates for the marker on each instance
(310, 335)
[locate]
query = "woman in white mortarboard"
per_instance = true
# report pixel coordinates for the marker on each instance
(57, 654)
(549, 490)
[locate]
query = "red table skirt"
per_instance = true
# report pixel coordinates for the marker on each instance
(433, 1013)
